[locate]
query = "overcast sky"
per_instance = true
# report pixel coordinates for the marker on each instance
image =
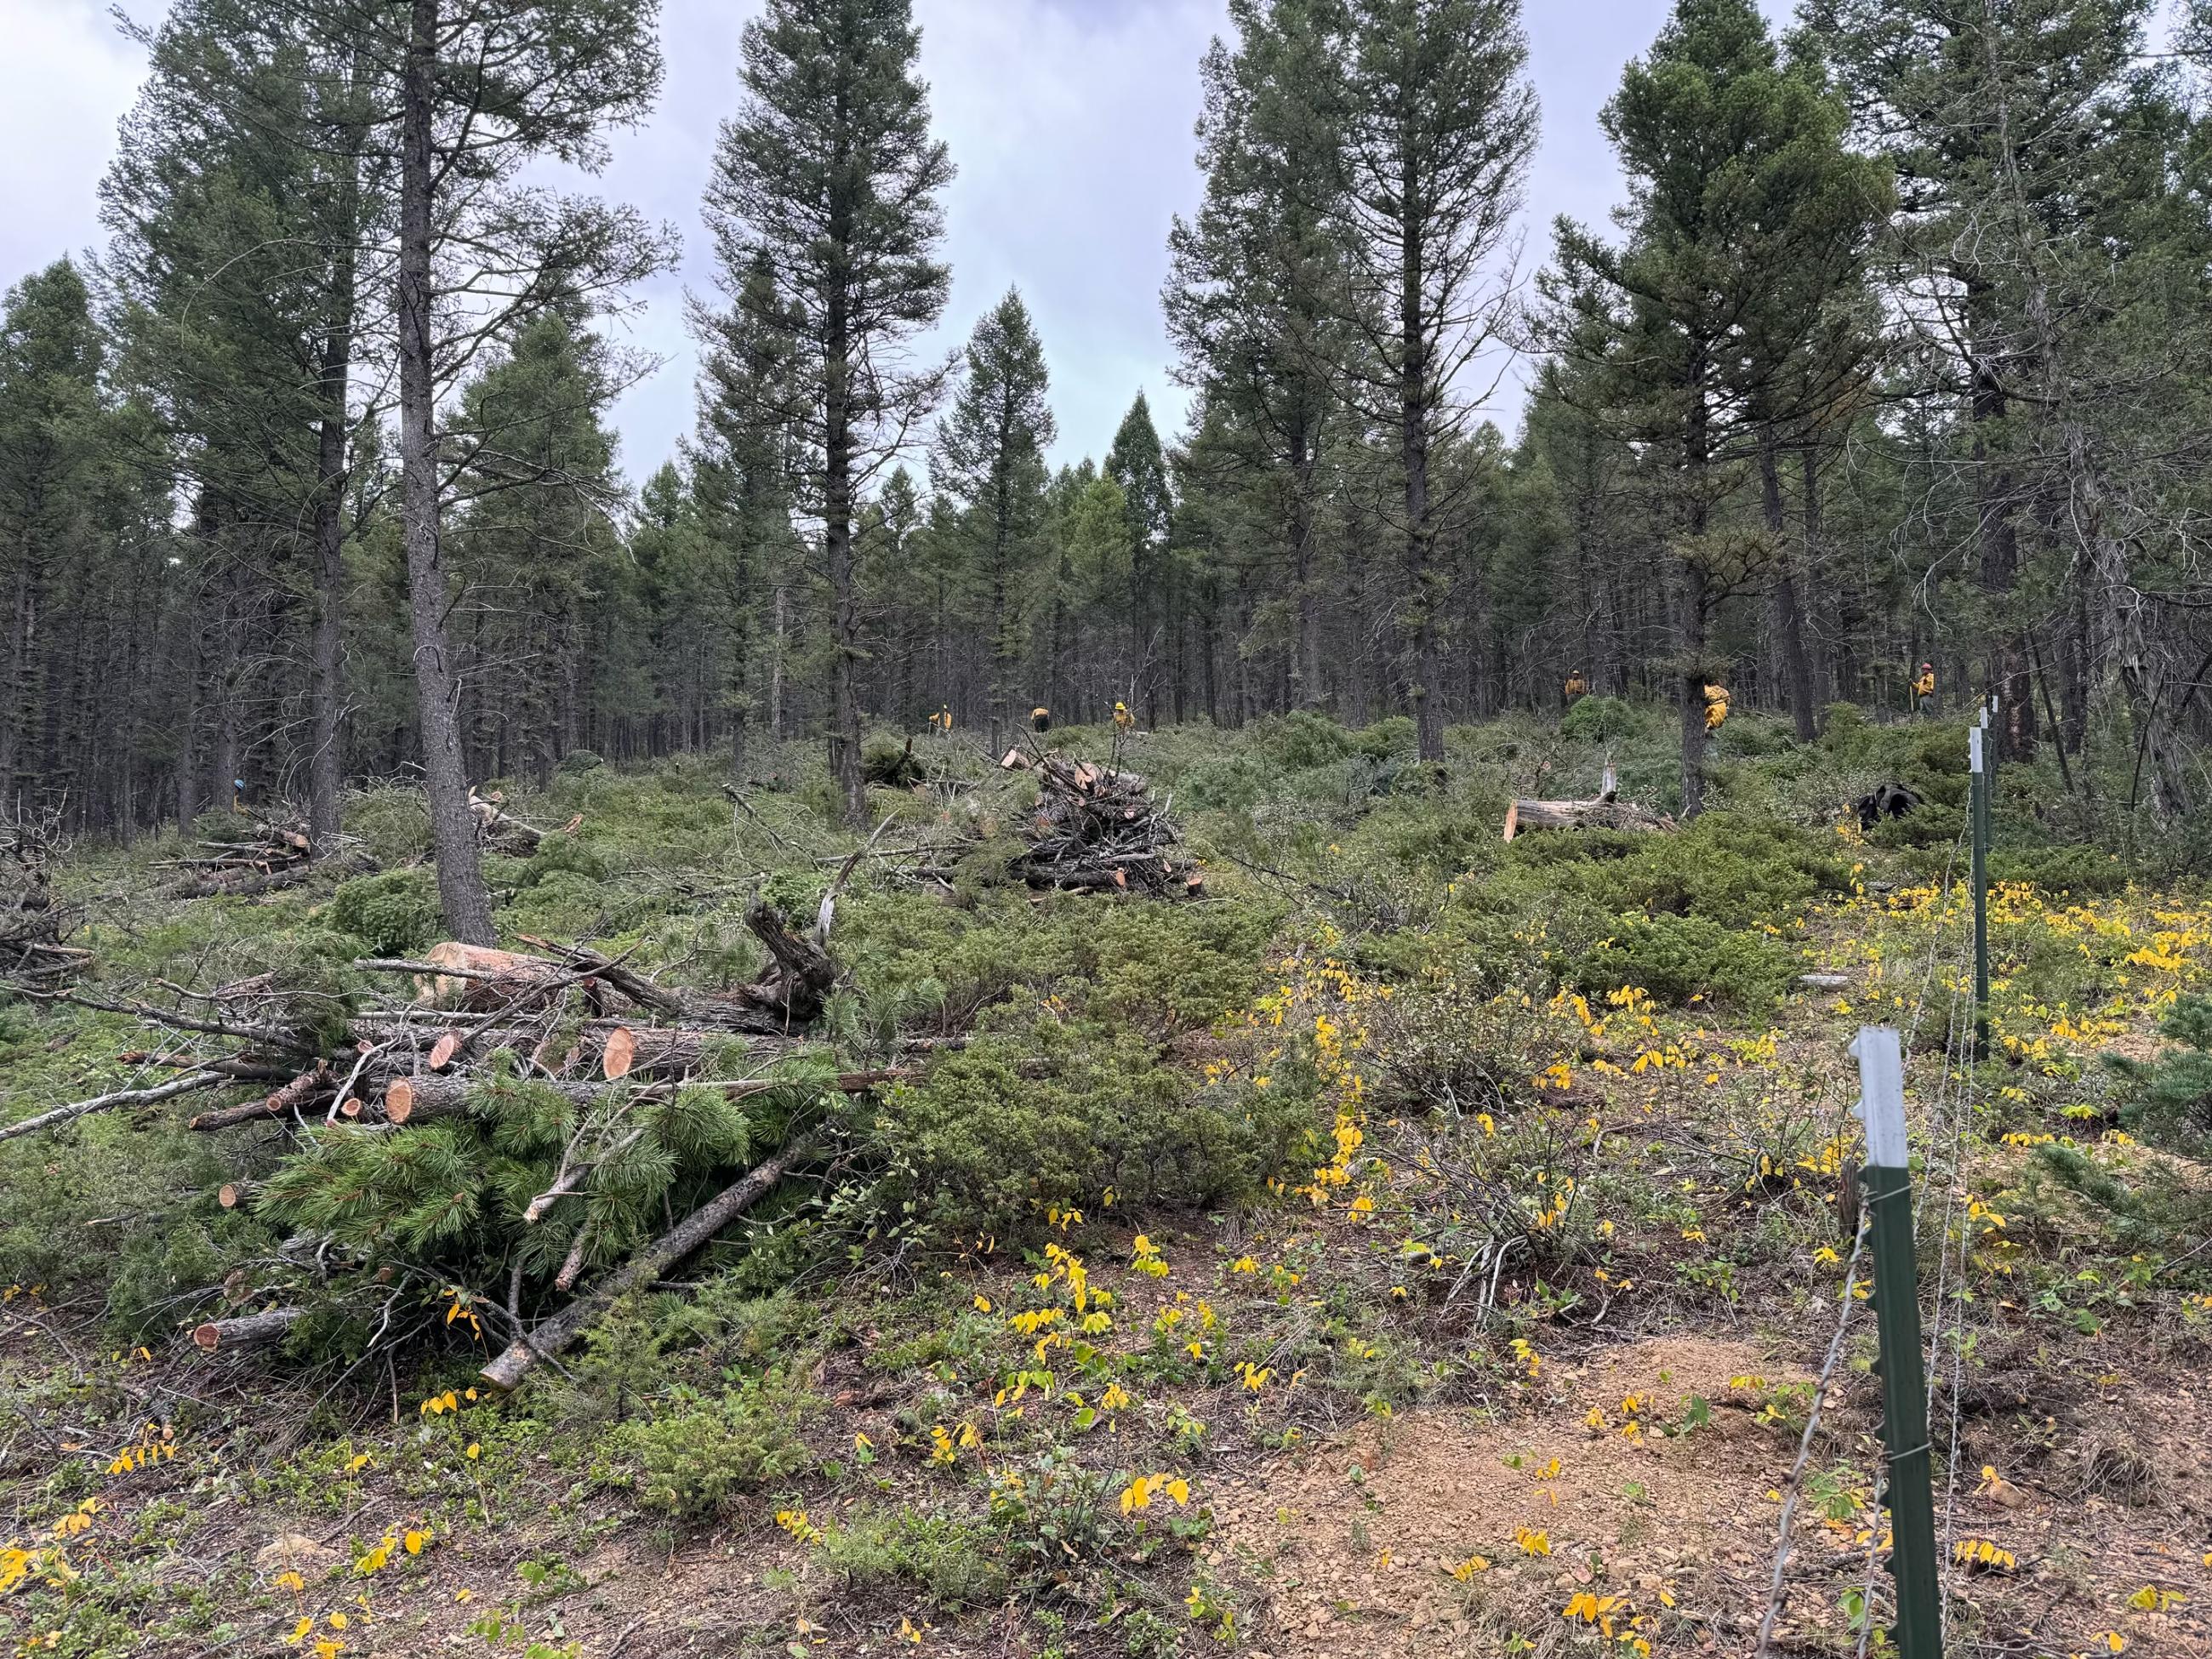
(1070, 121)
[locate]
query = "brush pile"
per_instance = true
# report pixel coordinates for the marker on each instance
(414, 1125)
(241, 855)
(35, 924)
(1098, 829)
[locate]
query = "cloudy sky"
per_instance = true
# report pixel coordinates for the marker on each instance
(1070, 121)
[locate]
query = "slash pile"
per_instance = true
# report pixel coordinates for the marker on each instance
(550, 1123)
(252, 856)
(1097, 829)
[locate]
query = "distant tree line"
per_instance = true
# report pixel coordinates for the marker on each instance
(1899, 350)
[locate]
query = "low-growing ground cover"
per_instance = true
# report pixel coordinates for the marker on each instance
(1413, 1244)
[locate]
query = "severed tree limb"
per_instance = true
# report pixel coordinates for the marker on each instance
(631, 983)
(188, 1083)
(553, 1335)
(247, 1330)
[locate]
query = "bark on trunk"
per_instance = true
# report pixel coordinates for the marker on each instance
(1789, 619)
(461, 891)
(326, 767)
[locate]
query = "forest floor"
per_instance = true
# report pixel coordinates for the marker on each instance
(1508, 1344)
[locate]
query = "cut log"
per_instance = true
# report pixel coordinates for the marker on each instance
(554, 1335)
(235, 1195)
(247, 1330)
(1599, 814)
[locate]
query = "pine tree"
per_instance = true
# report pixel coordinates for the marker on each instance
(1439, 123)
(1702, 331)
(1999, 119)
(486, 88)
(1136, 462)
(745, 447)
(51, 353)
(1254, 274)
(829, 175)
(247, 214)
(989, 459)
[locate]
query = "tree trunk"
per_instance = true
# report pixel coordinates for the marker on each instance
(1788, 619)
(326, 767)
(461, 890)
(1414, 392)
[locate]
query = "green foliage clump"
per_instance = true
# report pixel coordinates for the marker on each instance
(956, 1562)
(1596, 719)
(2172, 1095)
(694, 1458)
(393, 914)
(1725, 867)
(560, 853)
(577, 762)
(1679, 959)
(393, 825)
(1054, 1114)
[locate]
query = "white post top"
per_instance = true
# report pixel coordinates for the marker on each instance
(1881, 1056)
(1974, 749)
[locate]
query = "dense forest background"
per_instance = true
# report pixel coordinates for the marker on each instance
(1899, 350)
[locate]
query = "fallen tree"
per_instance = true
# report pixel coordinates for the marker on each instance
(1605, 810)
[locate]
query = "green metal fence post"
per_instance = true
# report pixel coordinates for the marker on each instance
(1886, 1181)
(1977, 816)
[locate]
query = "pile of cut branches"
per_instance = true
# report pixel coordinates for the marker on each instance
(1097, 829)
(244, 856)
(535, 1131)
(35, 924)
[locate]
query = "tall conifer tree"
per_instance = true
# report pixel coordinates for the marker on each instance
(829, 174)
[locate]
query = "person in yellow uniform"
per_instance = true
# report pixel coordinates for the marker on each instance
(1040, 720)
(1123, 720)
(1576, 686)
(1717, 706)
(942, 720)
(1924, 689)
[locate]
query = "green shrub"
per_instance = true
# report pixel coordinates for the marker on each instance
(1303, 739)
(1596, 719)
(2171, 1095)
(393, 914)
(1677, 958)
(957, 1562)
(2073, 869)
(559, 852)
(393, 824)
(1056, 1114)
(695, 1458)
(1726, 868)
(577, 762)
(1389, 738)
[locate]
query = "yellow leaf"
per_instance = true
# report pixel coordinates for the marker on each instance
(415, 1540)
(339, 1621)
(299, 1632)
(473, 1452)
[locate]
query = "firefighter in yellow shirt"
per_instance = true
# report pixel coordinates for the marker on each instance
(942, 720)
(1716, 707)
(1924, 689)
(1576, 686)
(1040, 720)
(1123, 720)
